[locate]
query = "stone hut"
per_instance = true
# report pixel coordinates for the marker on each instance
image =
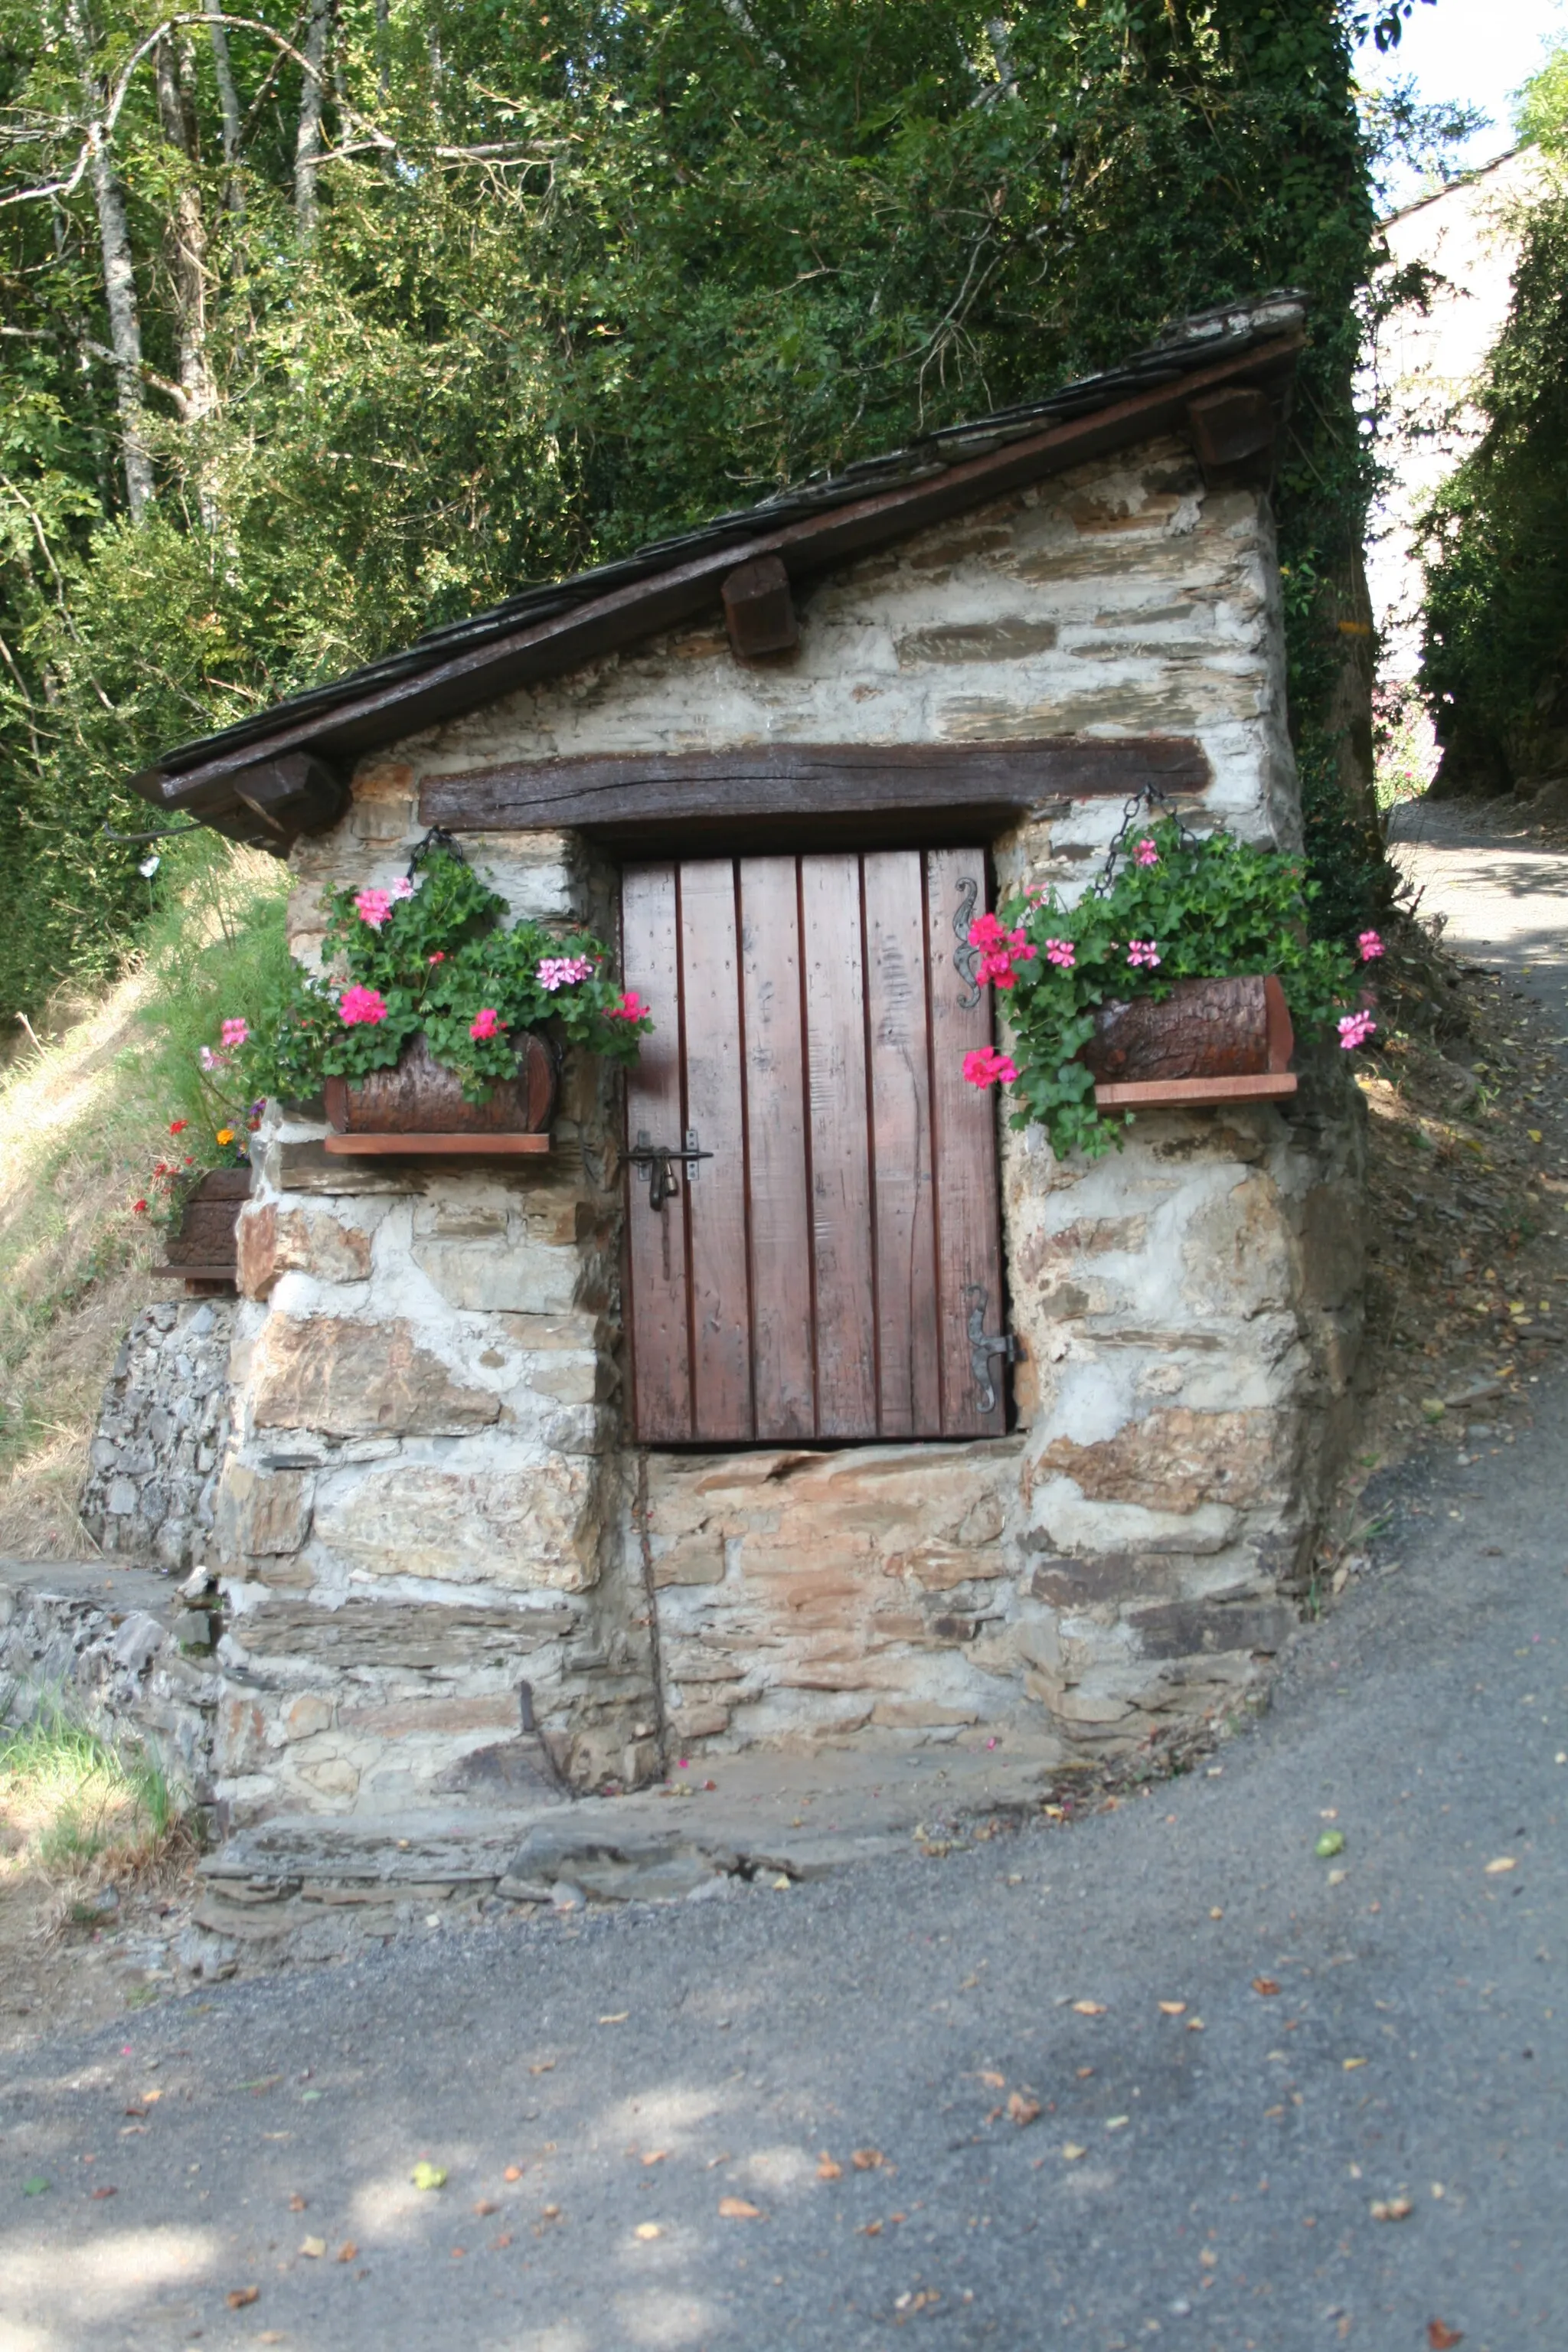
(518, 1455)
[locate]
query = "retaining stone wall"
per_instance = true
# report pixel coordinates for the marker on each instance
(160, 1435)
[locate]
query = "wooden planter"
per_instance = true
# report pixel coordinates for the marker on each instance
(419, 1108)
(1211, 1041)
(203, 1249)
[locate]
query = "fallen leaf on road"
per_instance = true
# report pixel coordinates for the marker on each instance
(1173, 2009)
(656, 2155)
(428, 2176)
(242, 2295)
(1443, 2338)
(1118, 2123)
(1504, 1862)
(1090, 2008)
(1266, 1985)
(105, 2191)
(736, 2208)
(1332, 1842)
(459, 2253)
(1021, 2109)
(35, 2186)
(649, 2230)
(486, 2205)
(348, 2251)
(512, 2172)
(313, 2249)
(1391, 2209)
(1195, 2025)
(869, 2229)
(1349, 2065)
(1217, 1913)
(297, 2204)
(867, 2159)
(547, 2065)
(549, 2213)
(827, 2170)
(993, 2082)
(1072, 2151)
(498, 2243)
(617, 2017)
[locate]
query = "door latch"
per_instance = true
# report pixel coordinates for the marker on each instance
(983, 1346)
(654, 1164)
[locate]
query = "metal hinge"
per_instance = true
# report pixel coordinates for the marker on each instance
(983, 1346)
(655, 1165)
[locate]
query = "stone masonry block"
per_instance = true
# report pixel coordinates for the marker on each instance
(1176, 1460)
(349, 1380)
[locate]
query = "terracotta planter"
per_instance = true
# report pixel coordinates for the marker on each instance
(202, 1249)
(419, 1106)
(1208, 1041)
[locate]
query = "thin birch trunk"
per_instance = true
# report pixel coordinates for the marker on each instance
(383, 48)
(228, 105)
(308, 143)
(187, 239)
(119, 280)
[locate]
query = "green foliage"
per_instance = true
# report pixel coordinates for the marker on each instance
(1495, 662)
(76, 1795)
(580, 273)
(216, 943)
(1176, 908)
(434, 958)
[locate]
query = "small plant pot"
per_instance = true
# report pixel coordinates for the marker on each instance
(419, 1108)
(1208, 1041)
(203, 1249)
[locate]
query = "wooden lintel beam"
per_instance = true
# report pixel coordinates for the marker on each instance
(608, 794)
(759, 611)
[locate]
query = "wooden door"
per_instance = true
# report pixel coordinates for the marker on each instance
(825, 1269)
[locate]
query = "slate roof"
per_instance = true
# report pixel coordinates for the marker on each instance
(335, 717)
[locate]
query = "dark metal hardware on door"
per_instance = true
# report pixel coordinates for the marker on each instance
(983, 1346)
(966, 959)
(654, 1164)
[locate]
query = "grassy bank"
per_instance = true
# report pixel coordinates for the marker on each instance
(85, 1113)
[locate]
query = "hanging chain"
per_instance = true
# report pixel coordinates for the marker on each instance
(1147, 797)
(437, 838)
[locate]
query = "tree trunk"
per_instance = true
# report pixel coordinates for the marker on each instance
(187, 235)
(228, 104)
(383, 48)
(308, 143)
(119, 279)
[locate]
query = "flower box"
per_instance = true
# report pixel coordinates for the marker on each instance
(202, 1250)
(1208, 1041)
(419, 1108)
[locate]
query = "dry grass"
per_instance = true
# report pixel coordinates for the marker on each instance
(83, 1116)
(78, 1128)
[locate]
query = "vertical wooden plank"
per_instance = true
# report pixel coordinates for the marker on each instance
(963, 1122)
(839, 1125)
(657, 1260)
(716, 1188)
(779, 1210)
(909, 1400)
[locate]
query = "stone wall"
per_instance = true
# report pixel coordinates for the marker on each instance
(160, 1435)
(445, 1570)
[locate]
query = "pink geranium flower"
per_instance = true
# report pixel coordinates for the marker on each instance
(485, 1023)
(1355, 1029)
(985, 1067)
(563, 972)
(402, 887)
(1371, 947)
(234, 1033)
(1142, 951)
(1062, 952)
(357, 1005)
(1146, 853)
(630, 1008)
(372, 907)
(1000, 949)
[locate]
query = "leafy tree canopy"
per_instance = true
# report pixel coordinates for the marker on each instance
(322, 326)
